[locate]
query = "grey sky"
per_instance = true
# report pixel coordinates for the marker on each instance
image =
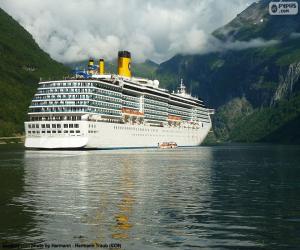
(73, 30)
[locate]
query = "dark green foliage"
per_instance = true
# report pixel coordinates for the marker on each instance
(22, 64)
(278, 124)
(227, 116)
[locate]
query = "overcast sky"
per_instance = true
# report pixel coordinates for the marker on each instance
(73, 30)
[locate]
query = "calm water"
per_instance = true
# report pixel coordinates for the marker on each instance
(224, 197)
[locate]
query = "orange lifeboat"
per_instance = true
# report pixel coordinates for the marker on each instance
(166, 145)
(132, 112)
(174, 118)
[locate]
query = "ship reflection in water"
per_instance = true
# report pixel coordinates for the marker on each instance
(133, 197)
(125, 206)
(207, 197)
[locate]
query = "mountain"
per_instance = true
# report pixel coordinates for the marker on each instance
(257, 73)
(256, 22)
(22, 63)
(145, 69)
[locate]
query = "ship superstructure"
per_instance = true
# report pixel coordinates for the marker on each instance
(99, 110)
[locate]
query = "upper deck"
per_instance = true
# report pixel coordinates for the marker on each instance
(93, 94)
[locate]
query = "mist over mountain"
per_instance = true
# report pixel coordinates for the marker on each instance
(151, 29)
(242, 78)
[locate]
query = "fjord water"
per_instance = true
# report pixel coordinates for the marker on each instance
(222, 197)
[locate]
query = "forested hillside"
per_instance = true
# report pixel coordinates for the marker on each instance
(22, 63)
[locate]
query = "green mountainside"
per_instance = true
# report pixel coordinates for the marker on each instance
(246, 84)
(22, 63)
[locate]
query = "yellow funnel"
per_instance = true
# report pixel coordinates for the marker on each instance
(91, 66)
(101, 67)
(124, 63)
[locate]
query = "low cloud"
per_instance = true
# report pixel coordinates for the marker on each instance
(210, 43)
(254, 43)
(73, 30)
(295, 35)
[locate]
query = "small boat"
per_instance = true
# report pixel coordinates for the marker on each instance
(166, 145)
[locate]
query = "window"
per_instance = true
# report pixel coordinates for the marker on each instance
(76, 125)
(47, 125)
(65, 125)
(70, 125)
(53, 125)
(58, 126)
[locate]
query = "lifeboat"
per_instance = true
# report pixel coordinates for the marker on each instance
(166, 145)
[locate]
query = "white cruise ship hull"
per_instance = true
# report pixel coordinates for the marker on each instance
(101, 135)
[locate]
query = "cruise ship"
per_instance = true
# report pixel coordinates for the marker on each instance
(97, 110)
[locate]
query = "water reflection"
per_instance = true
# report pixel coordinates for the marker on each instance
(136, 197)
(16, 219)
(125, 206)
(221, 197)
(255, 189)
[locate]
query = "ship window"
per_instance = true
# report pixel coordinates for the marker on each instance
(76, 125)
(65, 131)
(43, 132)
(58, 125)
(71, 131)
(29, 126)
(43, 125)
(77, 131)
(53, 125)
(47, 125)
(53, 132)
(48, 132)
(65, 125)
(70, 125)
